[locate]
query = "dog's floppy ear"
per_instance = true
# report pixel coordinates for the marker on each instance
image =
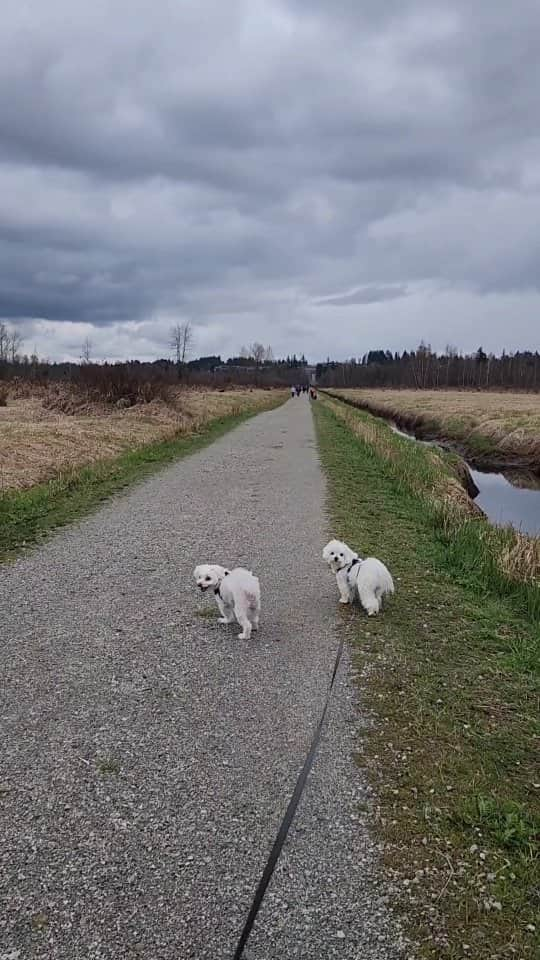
(348, 553)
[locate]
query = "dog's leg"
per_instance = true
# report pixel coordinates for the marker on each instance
(246, 629)
(256, 620)
(227, 614)
(369, 601)
(345, 594)
(255, 615)
(241, 614)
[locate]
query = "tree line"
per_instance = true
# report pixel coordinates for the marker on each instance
(424, 368)
(133, 379)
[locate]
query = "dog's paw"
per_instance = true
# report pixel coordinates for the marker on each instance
(243, 636)
(223, 620)
(344, 600)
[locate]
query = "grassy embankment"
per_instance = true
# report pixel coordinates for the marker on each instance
(450, 673)
(87, 459)
(492, 429)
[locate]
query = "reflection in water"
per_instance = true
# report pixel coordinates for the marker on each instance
(511, 496)
(525, 479)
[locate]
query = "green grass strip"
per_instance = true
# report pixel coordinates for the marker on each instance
(450, 673)
(473, 547)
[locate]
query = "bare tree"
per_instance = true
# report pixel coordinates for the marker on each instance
(244, 353)
(15, 343)
(450, 356)
(421, 362)
(10, 341)
(269, 354)
(181, 341)
(86, 351)
(257, 351)
(4, 342)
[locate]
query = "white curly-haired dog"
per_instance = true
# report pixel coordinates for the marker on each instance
(237, 593)
(369, 577)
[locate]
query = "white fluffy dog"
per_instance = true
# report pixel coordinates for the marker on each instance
(237, 594)
(369, 577)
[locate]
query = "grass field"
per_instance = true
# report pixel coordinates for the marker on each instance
(491, 427)
(49, 433)
(450, 675)
(82, 463)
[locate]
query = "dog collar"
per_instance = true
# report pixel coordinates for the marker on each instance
(217, 590)
(353, 564)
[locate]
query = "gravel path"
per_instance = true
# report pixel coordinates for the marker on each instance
(148, 755)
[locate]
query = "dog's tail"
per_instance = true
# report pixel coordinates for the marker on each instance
(386, 581)
(377, 574)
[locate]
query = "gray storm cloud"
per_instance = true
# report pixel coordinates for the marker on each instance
(245, 164)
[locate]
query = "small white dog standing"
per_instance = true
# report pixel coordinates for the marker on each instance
(237, 593)
(369, 577)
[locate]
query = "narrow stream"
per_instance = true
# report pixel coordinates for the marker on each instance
(503, 501)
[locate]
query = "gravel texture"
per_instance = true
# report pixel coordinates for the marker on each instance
(148, 755)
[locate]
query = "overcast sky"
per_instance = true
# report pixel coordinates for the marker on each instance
(327, 176)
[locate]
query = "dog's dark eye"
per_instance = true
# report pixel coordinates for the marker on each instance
(341, 555)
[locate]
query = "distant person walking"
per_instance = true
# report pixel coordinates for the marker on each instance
(293, 391)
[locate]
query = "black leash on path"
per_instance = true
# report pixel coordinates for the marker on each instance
(287, 819)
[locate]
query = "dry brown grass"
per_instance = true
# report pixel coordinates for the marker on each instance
(498, 425)
(37, 441)
(520, 559)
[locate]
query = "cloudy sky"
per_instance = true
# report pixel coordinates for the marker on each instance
(327, 176)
